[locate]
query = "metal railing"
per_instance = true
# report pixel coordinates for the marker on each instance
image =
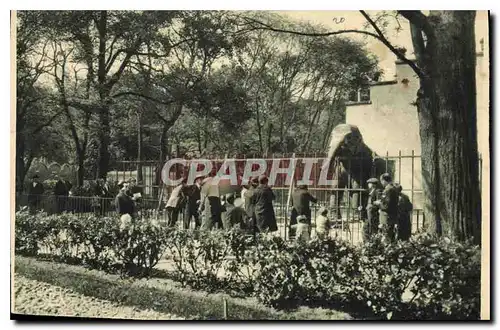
(348, 228)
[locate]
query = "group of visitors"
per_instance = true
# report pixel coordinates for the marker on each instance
(388, 209)
(203, 203)
(36, 190)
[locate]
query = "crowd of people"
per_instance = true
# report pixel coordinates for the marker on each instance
(208, 209)
(36, 190)
(388, 209)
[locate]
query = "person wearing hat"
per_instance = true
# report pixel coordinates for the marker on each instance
(234, 216)
(210, 204)
(262, 203)
(370, 227)
(388, 207)
(61, 192)
(123, 202)
(35, 193)
(193, 196)
(405, 207)
(175, 203)
(301, 204)
(253, 183)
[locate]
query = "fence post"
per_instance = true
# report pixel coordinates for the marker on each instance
(399, 163)
(387, 161)
(290, 190)
(224, 304)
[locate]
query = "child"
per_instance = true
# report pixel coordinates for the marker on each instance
(302, 229)
(234, 216)
(322, 224)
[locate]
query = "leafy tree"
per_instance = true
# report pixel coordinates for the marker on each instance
(35, 105)
(106, 42)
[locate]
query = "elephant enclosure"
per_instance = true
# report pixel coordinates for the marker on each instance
(405, 169)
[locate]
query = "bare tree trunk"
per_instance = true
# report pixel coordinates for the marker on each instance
(139, 146)
(104, 139)
(447, 114)
(164, 143)
(80, 172)
(104, 90)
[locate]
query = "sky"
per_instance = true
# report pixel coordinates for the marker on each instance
(354, 20)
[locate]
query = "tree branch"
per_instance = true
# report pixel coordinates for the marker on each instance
(418, 42)
(47, 123)
(268, 27)
(143, 96)
(417, 18)
(111, 60)
(379, 36)
(393, 49)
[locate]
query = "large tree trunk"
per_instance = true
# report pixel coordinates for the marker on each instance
(104, 91)
(164, 142)
(104, 139)
(447, 114)
(139, 146)
(80, 172)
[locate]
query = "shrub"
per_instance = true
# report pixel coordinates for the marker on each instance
(99, 243)
(139, 246)
(447, 279)
(440, 277)
(27, 234)
(314, 273)
(424, 278)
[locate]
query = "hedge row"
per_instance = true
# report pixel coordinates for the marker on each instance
(425, 278)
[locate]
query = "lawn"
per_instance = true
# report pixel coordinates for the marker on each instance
(157, 297)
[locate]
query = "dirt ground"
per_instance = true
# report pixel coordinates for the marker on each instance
(39, 298)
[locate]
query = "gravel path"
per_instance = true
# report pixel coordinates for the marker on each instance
(39, 298)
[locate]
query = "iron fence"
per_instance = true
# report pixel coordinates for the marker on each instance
(348, 228)
(405, 169)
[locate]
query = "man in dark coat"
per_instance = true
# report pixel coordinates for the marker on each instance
(388, 205)
(61, 193)
(301, 205)
(176, 203)
(405, 207)
(35, 194)
(370, 227)
(301, 202)
(262, 199)
(247, 197)
(124, 203)
(193, 195)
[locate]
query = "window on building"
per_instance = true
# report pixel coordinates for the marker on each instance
(353, 96)
(361, 95)
(364, 95)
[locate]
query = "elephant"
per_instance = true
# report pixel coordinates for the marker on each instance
(352, 163)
